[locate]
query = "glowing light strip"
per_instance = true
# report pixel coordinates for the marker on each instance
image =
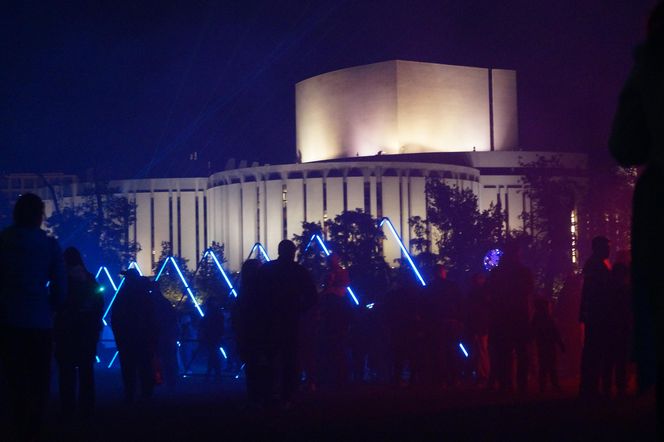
(221, 269)
(223, 352)
(322, 244)
(98, 360)
(403, 249)
(108, 275)
(163, 266)
(309, 243)
(261, 249)
(186, 286)
(463, 349)
(113, 360)
(110, 304)
(135, 265)
(99, 272)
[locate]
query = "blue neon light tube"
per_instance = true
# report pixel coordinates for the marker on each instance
(186, 285)
(403, 249)
(221, 269)
(108, 275)
(135, 265)
(113, 360)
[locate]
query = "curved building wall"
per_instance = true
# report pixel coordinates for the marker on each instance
(266, 204)
(275, 200)
(405, 107)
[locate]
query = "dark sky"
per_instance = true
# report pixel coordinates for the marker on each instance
(130, 89)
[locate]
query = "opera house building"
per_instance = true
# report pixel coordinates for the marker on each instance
(367, 137)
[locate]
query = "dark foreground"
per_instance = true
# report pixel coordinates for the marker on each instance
(200, 411)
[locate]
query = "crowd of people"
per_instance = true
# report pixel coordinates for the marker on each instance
(291, 334)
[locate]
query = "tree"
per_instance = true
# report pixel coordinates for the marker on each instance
(462, 233)
(554, 194)
(312, 258)
(357, 239)
(99, 228)
(606, 207)
(208, 279)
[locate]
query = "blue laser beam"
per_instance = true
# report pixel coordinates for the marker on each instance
(403, 249)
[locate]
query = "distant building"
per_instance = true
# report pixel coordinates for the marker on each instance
(367, 138)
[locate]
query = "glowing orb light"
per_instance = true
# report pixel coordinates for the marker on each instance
(492, 258)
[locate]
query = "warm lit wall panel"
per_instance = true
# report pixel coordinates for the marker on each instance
(347, 112)
(355, 193)
(187, 228)
(442, 108)
(274, 217)
(143, 231)
(294, 207)
(249, 220)
(315, 200)
(505, 115)
(335, 196)
(391, 210)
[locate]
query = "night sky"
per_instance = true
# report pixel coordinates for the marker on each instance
(131, 89)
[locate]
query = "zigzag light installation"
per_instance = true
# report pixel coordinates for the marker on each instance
(327, 253)
(188, 288)
(386, 221)
(184, 282)
(211, 253)
(132, 264)
(261, 249)
(108, 275)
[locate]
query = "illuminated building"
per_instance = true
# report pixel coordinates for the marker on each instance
(367, 137)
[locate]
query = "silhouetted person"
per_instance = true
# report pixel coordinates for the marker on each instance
(404, 327)
(167, 332)
(289, 291)
(32, 286)
(76, 332)
(252, 329)
(548, 342)
(637, 139)
(211, 333)
(510, 287)
(443, 321)
(477, 326)
(620, 330)
(135, 331)
(335, 323)
(594, 314)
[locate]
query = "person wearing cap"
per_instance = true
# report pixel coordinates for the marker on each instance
(134, 328)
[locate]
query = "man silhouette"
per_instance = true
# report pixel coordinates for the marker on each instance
(33, 285)
(289, 291)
